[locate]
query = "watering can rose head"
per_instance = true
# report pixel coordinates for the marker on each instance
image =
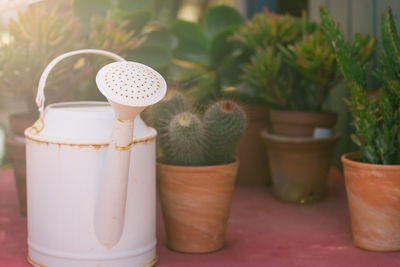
(188, 139)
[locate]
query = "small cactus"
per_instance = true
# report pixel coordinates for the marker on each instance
(224, 123)
(185, 140)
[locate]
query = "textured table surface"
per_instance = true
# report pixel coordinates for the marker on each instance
(261, 232)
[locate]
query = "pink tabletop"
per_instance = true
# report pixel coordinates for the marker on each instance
(261, 232)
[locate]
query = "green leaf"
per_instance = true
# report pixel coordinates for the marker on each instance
(138, 19)
(162, 38)
(154, 56)
(131, 5)
(192, 42)
(331, 31)
(219, 18)
(220, 46)
(85, 9)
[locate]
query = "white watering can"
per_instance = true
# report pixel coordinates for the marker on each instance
(91, 197)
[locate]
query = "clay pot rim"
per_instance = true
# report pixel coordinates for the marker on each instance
(297, 139)
(198, 168)
(346, 160)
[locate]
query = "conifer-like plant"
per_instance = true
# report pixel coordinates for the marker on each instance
(376, 121)
(187, 138)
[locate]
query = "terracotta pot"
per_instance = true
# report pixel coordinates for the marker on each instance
(195, 202)
(373, 193)
(252, 170)
(299, 166)
(299, 124)
(16, 151)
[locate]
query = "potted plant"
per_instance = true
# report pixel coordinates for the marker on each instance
(372, 175)
(264, 29)
(268, 81)
(207, 66)
(38, 35)
(294, 79)
(196, 172)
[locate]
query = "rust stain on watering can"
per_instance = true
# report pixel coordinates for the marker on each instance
(94, 146)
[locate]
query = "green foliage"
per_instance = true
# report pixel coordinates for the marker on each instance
(85, 9)
(205, 60)
(112, 33)
(127, 28)
(291, 67)
(213, 23)
(187, 140)
(132, 35)
(376, 121)
(224, 123)
(192, 42)
(267, 74)
(268, 29)
(38, 35)
(47, 30)
(136, 20)
(316, 67)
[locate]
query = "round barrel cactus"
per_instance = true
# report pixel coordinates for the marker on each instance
(185, 140)
(224, 123)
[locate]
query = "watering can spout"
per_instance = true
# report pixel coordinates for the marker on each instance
(129, 87)
(109, 213)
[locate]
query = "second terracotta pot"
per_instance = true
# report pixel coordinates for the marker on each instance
(252, 170)
(299, 166)
(373, 193)
(195, 202)
(298, 123)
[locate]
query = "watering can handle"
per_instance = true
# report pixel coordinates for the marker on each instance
(42, 82)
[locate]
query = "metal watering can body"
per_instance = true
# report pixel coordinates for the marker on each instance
(66, 153)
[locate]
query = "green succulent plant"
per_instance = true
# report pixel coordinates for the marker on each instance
(316, 70)
(190, 139)
(266, 75)
(268, 29)
(294, 71)
(376, 120)
(38, 35)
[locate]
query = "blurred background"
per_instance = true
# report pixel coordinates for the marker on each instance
(100, 28)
